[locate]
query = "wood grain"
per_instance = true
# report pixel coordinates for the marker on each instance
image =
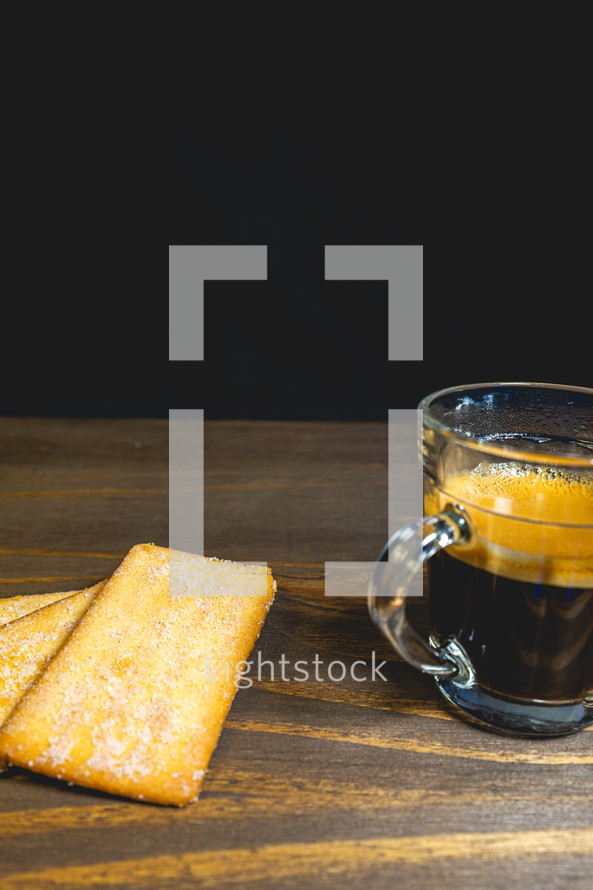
(314, 783)
(326, 863)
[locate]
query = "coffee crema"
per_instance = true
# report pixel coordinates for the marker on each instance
(528, 523)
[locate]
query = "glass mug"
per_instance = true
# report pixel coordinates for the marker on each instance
(507, 554)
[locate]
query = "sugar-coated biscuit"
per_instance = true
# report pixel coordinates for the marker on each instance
(14, 607)
(28, 643)
(134, 701)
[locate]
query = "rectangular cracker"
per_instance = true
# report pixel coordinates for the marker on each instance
(134, 701)
(14, 607)
(28, 643)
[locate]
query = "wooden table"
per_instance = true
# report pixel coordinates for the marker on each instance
(357, 784)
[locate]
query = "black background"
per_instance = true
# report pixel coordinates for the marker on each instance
(490, 181)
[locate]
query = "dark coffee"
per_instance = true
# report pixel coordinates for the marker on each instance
(519, 598)
(527, 641)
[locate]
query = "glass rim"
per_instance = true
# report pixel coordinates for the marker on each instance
(490, 448)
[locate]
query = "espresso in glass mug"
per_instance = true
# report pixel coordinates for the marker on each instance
(507, 551)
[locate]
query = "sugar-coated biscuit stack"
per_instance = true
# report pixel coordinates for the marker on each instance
(124, 687)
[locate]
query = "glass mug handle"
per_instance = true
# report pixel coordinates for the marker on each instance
(399, 562)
